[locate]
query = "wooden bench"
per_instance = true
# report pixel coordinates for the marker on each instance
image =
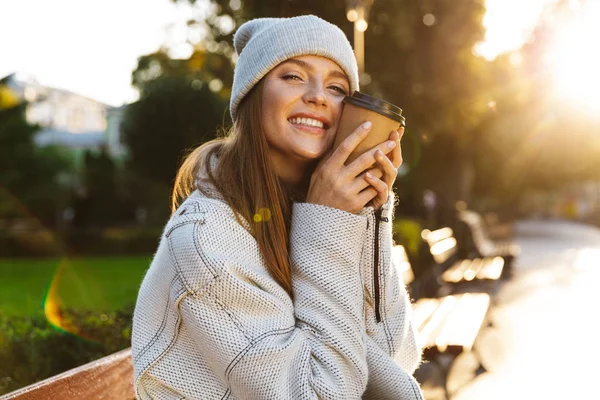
(109, 378)
(454, 272)
(474, 239)
(446, 326)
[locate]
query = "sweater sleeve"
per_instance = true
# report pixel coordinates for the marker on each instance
(262, 345)
(393, 332)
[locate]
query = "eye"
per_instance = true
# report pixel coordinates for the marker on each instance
(292, 77)
(339, 89)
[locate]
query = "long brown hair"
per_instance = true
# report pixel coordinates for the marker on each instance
(246, 180)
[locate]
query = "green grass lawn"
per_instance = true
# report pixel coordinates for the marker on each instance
(100, 284)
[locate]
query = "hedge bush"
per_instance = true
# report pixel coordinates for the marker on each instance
(31, 349)
(89, 242)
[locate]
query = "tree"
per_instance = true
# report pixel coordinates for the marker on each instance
(100, 204)
(534, 140)
(174, 114)
(202, 66)
(29, 175)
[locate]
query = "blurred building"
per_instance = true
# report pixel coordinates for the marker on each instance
(72, 121)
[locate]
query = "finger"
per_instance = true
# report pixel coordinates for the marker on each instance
(367, 195)
(389, 170)
(367, 159)
(343, 151)
(382, 190)
(396, 153)
(361, 182)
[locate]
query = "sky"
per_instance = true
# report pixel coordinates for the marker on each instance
(86, 46)
(91, 46)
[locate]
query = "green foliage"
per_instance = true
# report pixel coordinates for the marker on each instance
(43, 242)
(202, 66)
(407, 232)
(31, 349)
(101, 203)
(28, 174)
(174, 115)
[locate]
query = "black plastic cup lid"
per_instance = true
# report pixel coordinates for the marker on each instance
(380, 106)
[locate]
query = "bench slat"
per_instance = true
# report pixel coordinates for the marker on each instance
(472, 271)
(422, 312)
(402, 264)
(456, 272)
(443, 250)
(464, 324)
(479, 268)
(492, 269)
(431, 330)
(109, 378)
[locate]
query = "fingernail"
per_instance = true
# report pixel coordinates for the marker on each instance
(369, 175)
(367, 125)
(391, 144)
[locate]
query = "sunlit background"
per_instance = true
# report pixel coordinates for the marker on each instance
(572, 57)
(93, 48)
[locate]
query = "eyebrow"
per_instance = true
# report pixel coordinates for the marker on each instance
(335, 73)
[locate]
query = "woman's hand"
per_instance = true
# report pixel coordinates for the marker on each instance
(383, 178)
(336, 185)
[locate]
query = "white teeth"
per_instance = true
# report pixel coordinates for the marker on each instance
(306, 121)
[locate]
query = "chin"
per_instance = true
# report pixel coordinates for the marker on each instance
(312, 154)
(313, 151)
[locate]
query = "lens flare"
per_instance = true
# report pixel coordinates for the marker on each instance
(263, 215)
(52, 302)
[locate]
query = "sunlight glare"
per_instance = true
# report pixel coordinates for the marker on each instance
(574, 63)
(507, 30)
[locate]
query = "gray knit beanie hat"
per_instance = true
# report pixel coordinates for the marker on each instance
(263, 43)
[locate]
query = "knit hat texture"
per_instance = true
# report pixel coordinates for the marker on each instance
(263, 43)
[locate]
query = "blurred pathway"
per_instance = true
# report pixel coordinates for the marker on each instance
(546, 320)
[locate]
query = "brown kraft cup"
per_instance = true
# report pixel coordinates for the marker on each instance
(359, 108)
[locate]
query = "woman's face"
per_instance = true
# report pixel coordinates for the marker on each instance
(301, 108)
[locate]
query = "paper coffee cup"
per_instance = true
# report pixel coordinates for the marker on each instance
(359, 108)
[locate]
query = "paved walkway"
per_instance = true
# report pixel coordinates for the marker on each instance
(546, 321)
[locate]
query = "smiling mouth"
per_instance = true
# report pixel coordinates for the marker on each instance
(308, 122)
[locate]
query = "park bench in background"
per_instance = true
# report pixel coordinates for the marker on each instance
(109, 378)
(453, 272)
(446, 326)
(476, 242)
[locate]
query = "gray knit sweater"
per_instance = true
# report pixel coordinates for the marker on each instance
(211, 323)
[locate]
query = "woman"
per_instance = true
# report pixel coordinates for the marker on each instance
(272, 279)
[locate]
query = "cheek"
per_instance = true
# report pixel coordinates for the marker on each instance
(337, 107)
(276, 101)
(270, 107)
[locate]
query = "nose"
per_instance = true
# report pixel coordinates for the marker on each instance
(316, 95)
